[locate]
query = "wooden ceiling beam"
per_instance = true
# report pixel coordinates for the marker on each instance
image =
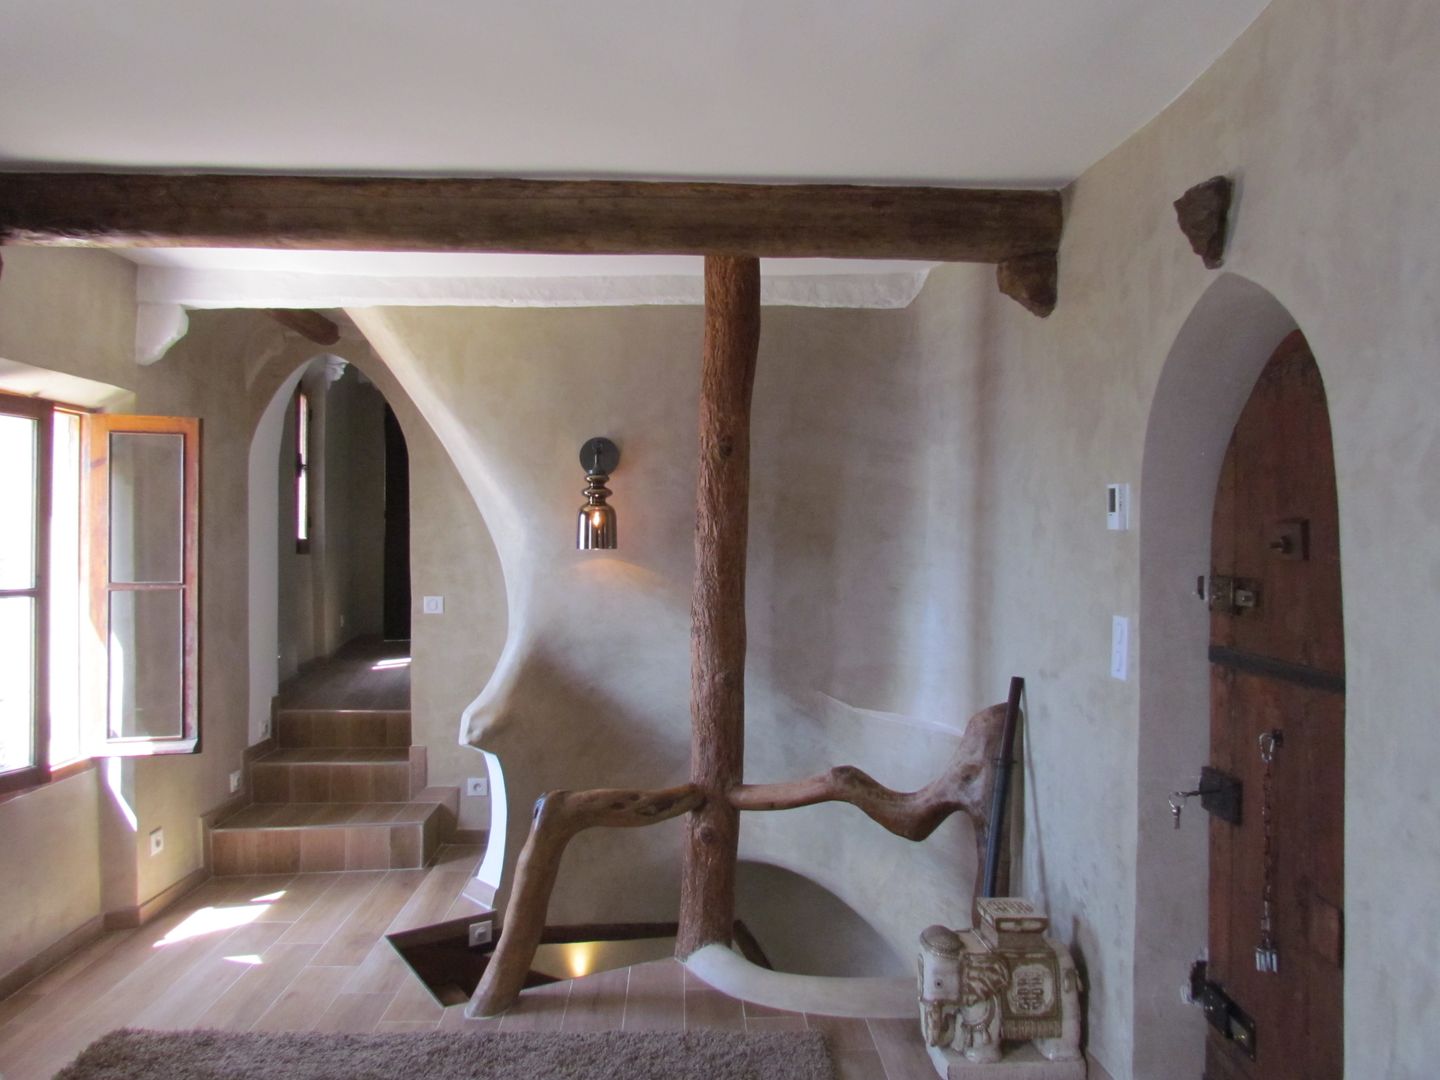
(614, 217)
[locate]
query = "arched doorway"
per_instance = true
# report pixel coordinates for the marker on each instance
(1272, 985)
(1211, 368)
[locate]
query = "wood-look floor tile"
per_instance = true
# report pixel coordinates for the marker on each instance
(405, 1027)
(902, 1049)
(249, 996)
(541, 1008)
(456, 1020)
(760, 1025)
(656, 997)
(330, 912)
(597, 1002)
(382, 971)
(358, 1013)
(431, 901)
(305, 1000)
(181, 1001)
(860, 1065)
(412, 1002)
(352, 942)
(710, 1009)
(294, 898)
(843, 1032)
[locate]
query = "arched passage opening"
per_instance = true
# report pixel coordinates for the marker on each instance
(329, 525)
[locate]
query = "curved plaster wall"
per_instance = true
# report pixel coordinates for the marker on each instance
(856, 653)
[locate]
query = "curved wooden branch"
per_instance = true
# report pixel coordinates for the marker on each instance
(559, 815)
(964, 786)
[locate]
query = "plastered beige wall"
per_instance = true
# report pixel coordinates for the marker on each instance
(1317, 111)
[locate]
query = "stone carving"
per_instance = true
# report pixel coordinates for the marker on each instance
(1004, 981)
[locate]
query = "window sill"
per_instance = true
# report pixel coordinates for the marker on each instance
(60, 772)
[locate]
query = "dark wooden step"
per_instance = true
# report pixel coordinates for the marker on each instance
(333, 728)
(343, 774)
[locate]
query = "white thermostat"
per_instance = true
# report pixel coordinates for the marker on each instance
(1117, 507)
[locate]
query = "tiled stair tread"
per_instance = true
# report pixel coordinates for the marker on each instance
(321, 815)
(336, 755)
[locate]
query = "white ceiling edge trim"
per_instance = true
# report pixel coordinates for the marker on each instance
(278, 289)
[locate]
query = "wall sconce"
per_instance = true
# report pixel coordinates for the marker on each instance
(595, 529)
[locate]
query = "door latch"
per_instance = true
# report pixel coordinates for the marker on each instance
(1226, 1017)
(1231, 595)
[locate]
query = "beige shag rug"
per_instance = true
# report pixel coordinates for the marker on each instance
(219, 1055)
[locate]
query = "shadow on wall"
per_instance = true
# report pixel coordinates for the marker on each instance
(807, 930)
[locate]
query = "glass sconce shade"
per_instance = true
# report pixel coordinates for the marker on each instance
(595, 528)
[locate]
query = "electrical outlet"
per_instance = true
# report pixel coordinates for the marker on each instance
(433, 605)
(265, 728)
(235, 778)
(478, 786)
(480, 933)
(157, 841)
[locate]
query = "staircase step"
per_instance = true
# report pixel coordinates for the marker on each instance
(332, 728)
(289, 838)
(343, 774)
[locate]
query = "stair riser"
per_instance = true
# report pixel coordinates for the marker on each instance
(330, 782)
(334, 730)
(313, 850)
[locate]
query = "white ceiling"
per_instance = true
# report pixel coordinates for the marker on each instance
(1027, 92)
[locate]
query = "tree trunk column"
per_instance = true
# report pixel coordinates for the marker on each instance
(717, 610)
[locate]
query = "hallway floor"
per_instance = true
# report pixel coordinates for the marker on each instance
(307, 953)
(366, 673)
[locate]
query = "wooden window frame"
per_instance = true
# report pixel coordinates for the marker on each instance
(38, 772)
(98, 430)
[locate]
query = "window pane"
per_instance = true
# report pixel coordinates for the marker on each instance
(147, 498)
(147, 648)
(17, 682)
(17, 498)
(65, 590)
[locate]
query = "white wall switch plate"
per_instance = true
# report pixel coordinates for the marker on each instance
(235, 781)
(157, 841)
(478, 786)
(480, 933)
(433, 605)
(1120, 648)
(1117, 507)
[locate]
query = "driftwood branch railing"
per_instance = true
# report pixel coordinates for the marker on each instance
(717, 792)
(963, 787)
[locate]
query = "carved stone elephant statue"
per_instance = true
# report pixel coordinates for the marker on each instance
(974, 995)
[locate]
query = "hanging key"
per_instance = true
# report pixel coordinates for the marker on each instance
(1177, 803)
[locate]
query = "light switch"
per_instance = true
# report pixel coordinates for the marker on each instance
(1120, 648)
(434, 605)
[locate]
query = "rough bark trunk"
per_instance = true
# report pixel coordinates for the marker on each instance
(559, 815)
(717, 639)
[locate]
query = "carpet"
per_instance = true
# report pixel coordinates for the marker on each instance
(219, 1055)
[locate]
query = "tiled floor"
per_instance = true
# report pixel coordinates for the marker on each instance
(307, 953)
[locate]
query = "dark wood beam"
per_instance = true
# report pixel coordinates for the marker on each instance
(541, 216)
(306, 323)
(717, 605)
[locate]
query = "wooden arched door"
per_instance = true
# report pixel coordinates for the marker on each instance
(1278, 679)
